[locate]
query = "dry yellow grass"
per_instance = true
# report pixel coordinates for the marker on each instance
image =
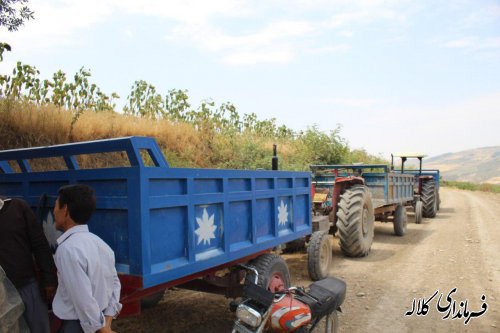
(25, 125)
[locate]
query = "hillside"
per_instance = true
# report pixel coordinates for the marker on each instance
(481, 165)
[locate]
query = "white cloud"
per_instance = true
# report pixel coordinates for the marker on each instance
(339, 48)
(483, 47)
(355, 103)
(459, 43)
(281, 41)
(345, 33)
(197, 23)
(188, 11)
(257, 57)
(274, 43)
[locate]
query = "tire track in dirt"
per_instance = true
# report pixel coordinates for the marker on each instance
(440, 254)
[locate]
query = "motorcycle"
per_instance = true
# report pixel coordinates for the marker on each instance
(296, 309)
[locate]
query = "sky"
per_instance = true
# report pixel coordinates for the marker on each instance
(394, 75)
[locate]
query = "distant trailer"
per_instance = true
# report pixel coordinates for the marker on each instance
(426, 186)
(349, 198)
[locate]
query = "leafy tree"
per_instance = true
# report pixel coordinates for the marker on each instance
(12, 17)
(177, 104)
(144, 101)
(13, 14)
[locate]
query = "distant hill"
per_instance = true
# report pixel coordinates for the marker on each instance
(481, 165)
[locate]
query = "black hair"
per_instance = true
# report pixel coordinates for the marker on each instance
(80, 200)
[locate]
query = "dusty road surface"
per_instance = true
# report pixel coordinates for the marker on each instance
(460, 248)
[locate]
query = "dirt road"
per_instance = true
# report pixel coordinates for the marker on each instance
(460, 248)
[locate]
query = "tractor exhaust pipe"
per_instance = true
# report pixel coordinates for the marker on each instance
(275, 159)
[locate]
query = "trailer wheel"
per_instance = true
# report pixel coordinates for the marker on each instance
(400, 220)
(429, 199)
(152, 300)
(418, 212)
(319, 255)
(355, 219)
(273, 272)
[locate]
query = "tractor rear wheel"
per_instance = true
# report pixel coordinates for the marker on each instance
(429, 199)
(400, 220)
(355, 219)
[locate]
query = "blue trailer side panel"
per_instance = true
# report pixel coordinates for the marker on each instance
(427, 172)
(167, 223)
(386, 187)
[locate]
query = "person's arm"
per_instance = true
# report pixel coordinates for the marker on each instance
(72, 275)
(41, 251)
(114, 307)
(107, 328)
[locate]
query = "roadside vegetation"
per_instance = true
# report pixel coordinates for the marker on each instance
(484, 187)
(36, 112)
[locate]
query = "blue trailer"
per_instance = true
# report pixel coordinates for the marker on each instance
(168, 226)
(349, 198)
(426, 190)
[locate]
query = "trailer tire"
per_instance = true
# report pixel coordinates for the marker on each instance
(429, 200)
(418, 212)
(273, 272)
(400, 220)
(355, 219)
(319, 255)
(152, 300)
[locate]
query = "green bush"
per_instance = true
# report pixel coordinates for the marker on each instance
(484, 187)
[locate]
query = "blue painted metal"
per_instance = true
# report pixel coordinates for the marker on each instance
(385, 186)
(426, 172)
(168, 223)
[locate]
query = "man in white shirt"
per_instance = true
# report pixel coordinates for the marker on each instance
(88, 294)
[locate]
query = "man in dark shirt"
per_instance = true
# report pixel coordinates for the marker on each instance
(21, 239)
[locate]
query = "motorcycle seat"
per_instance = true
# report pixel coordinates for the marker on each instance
(324, 296)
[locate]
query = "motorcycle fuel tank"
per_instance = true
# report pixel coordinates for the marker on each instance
(288, 314)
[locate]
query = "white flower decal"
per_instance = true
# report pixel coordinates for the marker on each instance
(206, 229)
(282, 214)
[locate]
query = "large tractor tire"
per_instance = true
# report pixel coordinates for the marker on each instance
(429, 198)
(355, 219)
(273, 272)
(319, 255)
(400, 220)
(418, 212)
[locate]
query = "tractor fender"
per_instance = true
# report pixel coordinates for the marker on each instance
(341, 184)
